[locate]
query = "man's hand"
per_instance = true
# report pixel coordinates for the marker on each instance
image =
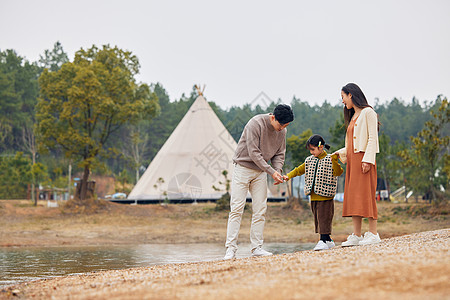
(277, 177)
(285, 178)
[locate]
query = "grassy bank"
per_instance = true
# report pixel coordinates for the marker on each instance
(22, 224)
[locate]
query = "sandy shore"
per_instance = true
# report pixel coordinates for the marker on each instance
(415, 266)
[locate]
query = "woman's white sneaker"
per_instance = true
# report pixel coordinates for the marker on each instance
(352, 240)
(370, 238)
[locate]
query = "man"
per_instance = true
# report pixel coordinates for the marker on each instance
(263, 140)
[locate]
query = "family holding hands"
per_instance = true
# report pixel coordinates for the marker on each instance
(264, 140)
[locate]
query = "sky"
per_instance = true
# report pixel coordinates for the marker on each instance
(239, 49)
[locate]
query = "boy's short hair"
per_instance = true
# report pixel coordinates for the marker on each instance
(283, 114)
(316, 141)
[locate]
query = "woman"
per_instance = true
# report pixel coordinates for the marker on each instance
(361, 146)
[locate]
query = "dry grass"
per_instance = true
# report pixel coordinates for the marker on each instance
(22, 224)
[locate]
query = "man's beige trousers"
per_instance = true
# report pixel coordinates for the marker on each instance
(245, 180)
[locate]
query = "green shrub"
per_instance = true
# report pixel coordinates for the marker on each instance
(224, 202)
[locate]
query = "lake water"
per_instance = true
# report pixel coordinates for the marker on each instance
(26, 264)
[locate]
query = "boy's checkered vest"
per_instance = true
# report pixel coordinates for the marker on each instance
(319, 172)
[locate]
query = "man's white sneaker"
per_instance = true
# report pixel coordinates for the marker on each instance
(230, 254)
(321, 245)
(370, 238)
(352, 240)
(260, 252)
(330, 244)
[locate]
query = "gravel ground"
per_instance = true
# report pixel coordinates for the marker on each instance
(415, 266)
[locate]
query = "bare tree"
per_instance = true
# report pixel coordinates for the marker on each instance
(135, 145)
(29, 145)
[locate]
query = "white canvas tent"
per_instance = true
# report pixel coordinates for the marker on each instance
(191, 161)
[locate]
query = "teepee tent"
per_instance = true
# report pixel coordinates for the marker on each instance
(191, 161)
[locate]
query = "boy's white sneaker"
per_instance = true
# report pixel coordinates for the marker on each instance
(330, 244)
(352, 240)
(370, 238)
(260, 252)
(321, 245)
(230, 254)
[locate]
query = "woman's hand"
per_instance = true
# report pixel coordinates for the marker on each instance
(365, 167)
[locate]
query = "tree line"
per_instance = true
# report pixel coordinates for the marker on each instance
(91, 114)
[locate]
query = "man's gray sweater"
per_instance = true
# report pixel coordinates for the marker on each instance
(261, 143)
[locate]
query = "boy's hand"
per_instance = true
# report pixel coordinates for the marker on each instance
(284, 177)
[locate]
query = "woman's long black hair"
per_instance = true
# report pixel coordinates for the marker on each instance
(358, 99)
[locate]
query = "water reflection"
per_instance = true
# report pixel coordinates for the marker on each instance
(26, 264)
